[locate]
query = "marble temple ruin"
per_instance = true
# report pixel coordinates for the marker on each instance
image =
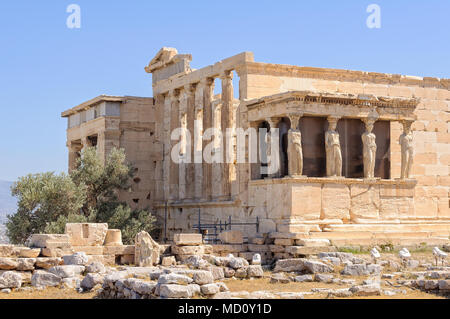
(349, 156)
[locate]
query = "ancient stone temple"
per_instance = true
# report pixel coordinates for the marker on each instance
(349, 156)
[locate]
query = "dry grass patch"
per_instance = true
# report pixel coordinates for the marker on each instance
(48, 293)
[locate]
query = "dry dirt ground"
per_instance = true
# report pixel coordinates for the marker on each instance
(236, 285)
(49, 293)
(263, 284)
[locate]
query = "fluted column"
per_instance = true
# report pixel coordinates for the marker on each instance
(255, 166)
(227, 122)
(190, 177)
(167, 145)
(203, 96)
(174, 124)
(160, 137)
(184, 145)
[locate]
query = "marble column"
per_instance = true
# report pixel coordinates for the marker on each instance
(407, 150)
(184, 144)
(273, 154)
(254, 158)
(369, 149)
(167, 144)
(227, 122)
(190, 177)
(74, 154)
(203, 97)
(160, 136)
(174, 124)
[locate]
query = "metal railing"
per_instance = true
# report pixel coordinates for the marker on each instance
(211, 231)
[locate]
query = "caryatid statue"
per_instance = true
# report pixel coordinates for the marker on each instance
(333, 149)
(406, 143)
(294, 149)
(369, 149)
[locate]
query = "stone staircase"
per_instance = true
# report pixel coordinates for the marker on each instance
(405, 234)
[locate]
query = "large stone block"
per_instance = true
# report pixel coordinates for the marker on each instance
(146, 250)
(231, 237)
(443, 208)
(86, 234)
(50, 240)
(313, 242)
(284, 241)
(48, 262)
(7, 251)
(228, 248)
(396, 208)
(305, 250)
(174, 291)
(336, 201)
(25, 264)
(67, 271)
(106, 259)
(188, 239)
(8, 263)
(365, 201)
(289, 265)
(56, 252)
(118, 250)
(306, 201)
(43, 278)
(425, 207)
(25, 252)
(281, 206)
(89, 250)
(10, 279)
(188, 250)
(267, 226)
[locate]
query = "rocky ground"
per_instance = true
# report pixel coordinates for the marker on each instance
(327, 275)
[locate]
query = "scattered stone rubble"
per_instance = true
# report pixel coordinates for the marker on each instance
(89, 257)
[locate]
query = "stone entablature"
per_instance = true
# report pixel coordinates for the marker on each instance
(335, 180)
(331, 104)
(178, 81)
(283, 70)
(92, 103)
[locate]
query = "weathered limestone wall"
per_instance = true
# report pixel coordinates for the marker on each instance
(181, 218)
(137, 137)
(130, 125)
(319, 201)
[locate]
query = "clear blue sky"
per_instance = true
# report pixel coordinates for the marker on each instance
(47, 68)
